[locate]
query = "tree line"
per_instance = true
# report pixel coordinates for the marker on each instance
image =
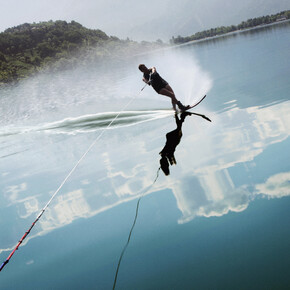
(29, 48)
(250, 23)
(56, 45)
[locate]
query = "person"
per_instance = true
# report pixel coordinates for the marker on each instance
(151, 77)
(172, 140)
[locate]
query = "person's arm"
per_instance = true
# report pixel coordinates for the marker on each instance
(152, 74)
(146, 81)
(151, 71)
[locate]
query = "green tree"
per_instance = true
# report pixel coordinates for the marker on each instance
(45, 50)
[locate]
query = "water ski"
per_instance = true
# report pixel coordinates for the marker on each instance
(191, 113)
(200, 115)
(190, 107)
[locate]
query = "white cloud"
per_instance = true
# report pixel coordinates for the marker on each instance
(68, 207)
(140, 20)
(277, 185)
(28, 206)
(12, 191)
(206, 197)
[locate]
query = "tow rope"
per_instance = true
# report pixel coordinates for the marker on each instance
(132, 227)
(64, 181)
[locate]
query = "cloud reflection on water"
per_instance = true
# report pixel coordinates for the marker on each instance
(277, 185)
(202, 182)
(244, 135)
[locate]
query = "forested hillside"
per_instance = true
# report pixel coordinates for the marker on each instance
(58, 45)
(250, 23)
(30, 48)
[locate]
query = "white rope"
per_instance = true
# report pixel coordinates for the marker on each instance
(63, 182)
(85, 154)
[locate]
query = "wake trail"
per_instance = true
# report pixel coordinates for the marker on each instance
(89, 123)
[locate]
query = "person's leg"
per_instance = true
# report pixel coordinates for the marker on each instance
(167, 91)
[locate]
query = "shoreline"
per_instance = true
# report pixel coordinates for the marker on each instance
(231, 33)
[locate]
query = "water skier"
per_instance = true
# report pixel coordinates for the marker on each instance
(151, 77)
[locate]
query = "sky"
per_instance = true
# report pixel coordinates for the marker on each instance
(139, 19)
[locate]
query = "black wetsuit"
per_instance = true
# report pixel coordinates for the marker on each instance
(157, 82)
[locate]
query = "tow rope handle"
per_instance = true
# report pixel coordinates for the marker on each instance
(3, 264)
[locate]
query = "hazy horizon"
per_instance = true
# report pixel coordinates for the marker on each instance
(139, 20)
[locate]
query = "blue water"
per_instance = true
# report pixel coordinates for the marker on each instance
(220, 220)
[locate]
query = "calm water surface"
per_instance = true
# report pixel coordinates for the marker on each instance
(220, 220)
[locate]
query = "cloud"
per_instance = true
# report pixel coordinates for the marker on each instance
(11, 192)
(233, 143)
(215, 196)
(68, 207)
(28, 206)
(277, 185)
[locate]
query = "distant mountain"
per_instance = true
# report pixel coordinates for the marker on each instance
(186, 17)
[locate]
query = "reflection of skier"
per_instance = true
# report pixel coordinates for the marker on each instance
(172, 140)
(151, 77)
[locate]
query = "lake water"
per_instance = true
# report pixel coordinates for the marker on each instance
(219, 220)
